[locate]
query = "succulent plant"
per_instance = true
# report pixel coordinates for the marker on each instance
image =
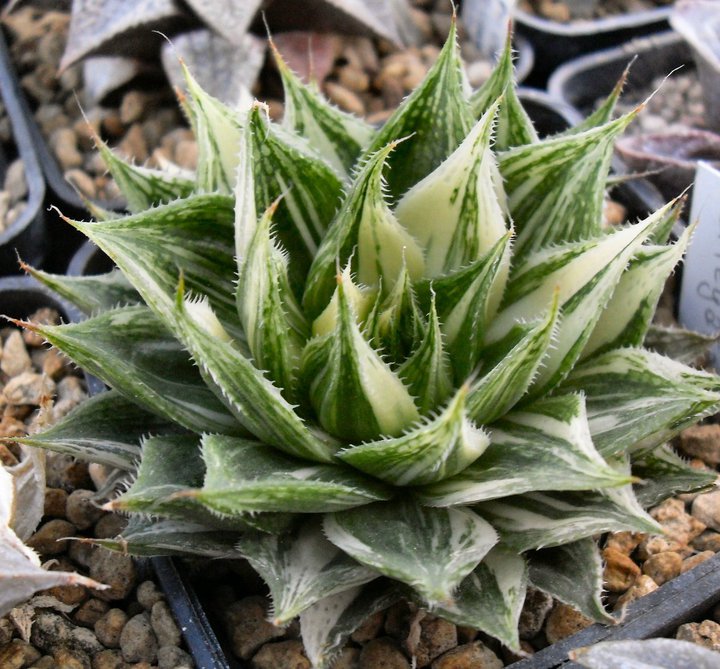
(383, 363)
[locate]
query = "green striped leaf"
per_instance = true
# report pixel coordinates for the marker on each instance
(543, 446)
(327, 625)
(491, 598)
(584, 275)
(361, 300)
(254, 401)
(556, 187)
(396, 326)
(436, 114)
(545, 519)
(366, 224)
(678, 343)
(458, 212)
(572, 573)
(106, 429)
(637, 399)
(432, 550)
(663, 473)
(142, 187)
(90, 294)
(438, 448)
(338, 136)
(605, 111)
(427, 373)
(274, 324)
(170, 472)
(131, 350)
(626, 319)
(150, 537)
(284, 165)
(514, 127)
(217, 129)
(301, 568)
(193, 236)
(342, 366)
(246, 477)
(510, 376)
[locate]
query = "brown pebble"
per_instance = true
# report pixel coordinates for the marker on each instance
(138, 642)
(109, 626)
(247, 626)
(186, 154)
(55, 364)
(625, 542)
(436, 637)
(662, 567)
(15, 358)
(706, 509)
(702, 441)
(369, 628)
(679, 526)
(620, 571)
(614, 212)
(7, 457)
(164, 625)
(18, 654)
(43, 316)
(82, 510)
(109, 659)
(82, 182)
(115, 570)
(51, 538)
(353, 78)
(67, 658)
(63, 142)
(90, 612)
(45, 662)
(382, 653)
(109, 526)
(564, 621)
(474, 655)
(281, 655)
(705, 633)
(28, 388)
(642, 586)
(133, 145)
(535, 609)
(148, 595)
(694, 560)
(133, 106)
(707, 541)
(654, 543)
(344, 98)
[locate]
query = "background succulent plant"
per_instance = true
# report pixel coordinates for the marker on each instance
(403, 362)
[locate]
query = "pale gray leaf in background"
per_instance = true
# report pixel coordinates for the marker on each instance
(646, 654)
(228, 18)
(224, 70)
(119, 27)
(28, 478)
(21, 574)
(486, 21)
(104, 74)
(698, 21)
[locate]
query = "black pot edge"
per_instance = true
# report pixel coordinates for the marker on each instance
(654, 615)
(592, 27)
(27, 234)
(562, 81)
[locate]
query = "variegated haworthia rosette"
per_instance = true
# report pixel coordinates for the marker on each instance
(404, 362)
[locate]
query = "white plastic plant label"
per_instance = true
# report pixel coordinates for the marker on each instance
(700, 292)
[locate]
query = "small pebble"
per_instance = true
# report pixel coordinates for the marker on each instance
(15, 358)
(90, 612)
(138, 642)
(344, 98)
(642, 586)
(536, 608)
(702, 441)
(663, 567)
(71, 658)
(109, 627)
(436, 637)
(705, 633)
(620, 570)
(281, 655)
(694, 560)
(115, 570)
(707, 541)
(474, 655)
(148, 595)
(55, 502)
(706, 509)
(52, 537)
(172, 657)
(563, 621)
(82, 510)
(164, 625)
(28, 388)
(18, 654)
(247, 626)
(382, 652)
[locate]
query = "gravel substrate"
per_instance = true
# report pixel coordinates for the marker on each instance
(129, 625)
(13, 185)
(557, 10)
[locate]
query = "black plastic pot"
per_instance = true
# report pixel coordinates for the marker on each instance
(26, 237)
(687, 598)
(583, 81)
(555, 43)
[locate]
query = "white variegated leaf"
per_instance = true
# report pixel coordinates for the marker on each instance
(245, 476)
(626, 319)
(301, 568)
(584, 275)
(540, 520)
(458, 212)
(545, 445)
(435, 450)
(432, 550)
(637, 399)
(491, 598)
(342, 365)
(327, 625)
(572, 573)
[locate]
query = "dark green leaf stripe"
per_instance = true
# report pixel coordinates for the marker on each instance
(130, 350)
